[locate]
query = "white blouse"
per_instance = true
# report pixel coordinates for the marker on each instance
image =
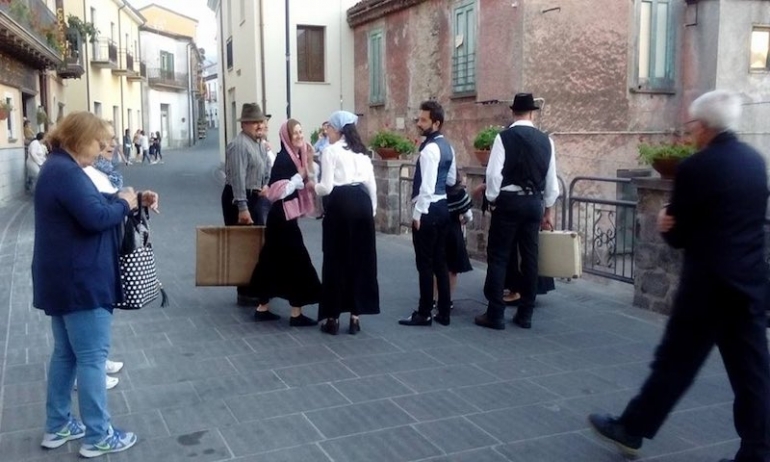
(340, 167)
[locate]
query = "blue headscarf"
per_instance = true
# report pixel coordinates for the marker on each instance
(341, 118)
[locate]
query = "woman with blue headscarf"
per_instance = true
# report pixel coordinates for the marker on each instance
(350, 255)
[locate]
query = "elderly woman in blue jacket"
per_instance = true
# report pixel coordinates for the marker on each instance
(76, 281)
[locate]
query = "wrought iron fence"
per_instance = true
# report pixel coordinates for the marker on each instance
(36, 18)
(606, 227)
(159, 76)
(104, 50)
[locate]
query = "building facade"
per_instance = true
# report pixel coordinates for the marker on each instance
(173, 98)
(211, 83)
(611, 73)
(32, 81)
(315, 80)
(111, 86)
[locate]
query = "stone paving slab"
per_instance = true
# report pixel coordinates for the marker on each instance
(204, 382)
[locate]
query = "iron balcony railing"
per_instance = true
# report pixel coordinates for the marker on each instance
(104, 50)
(167, 78)
(37, 19)
(464, 73)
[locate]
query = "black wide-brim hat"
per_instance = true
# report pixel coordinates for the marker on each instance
(524, 102)
(251, 112)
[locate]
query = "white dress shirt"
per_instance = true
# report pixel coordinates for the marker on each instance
(340, 167)
(495, 171)
(429, 159)
(37, 152)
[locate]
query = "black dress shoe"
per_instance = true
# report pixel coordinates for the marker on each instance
(484, 321)
(265, 316)
(354, 327)
(612, 430)
(523, 321)
(302, 321)
(331, 326)
(245, 300)
(416, 319)
(442, 319)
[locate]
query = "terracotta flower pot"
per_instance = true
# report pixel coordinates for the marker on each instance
(483, 156)
(387, 153)
(666, 167)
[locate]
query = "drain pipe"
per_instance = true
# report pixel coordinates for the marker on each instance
(288, 65)
(262, 53)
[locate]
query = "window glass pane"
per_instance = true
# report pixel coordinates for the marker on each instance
(645, 37)
(661, 40)
(760, 39)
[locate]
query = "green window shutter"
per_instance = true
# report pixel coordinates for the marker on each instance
(376, 71)
(464, 43)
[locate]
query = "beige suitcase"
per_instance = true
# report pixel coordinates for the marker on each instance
(560, 255)
(227, 255)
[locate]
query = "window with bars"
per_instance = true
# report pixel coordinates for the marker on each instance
(655, 65)
(760, 48)
(464, 55)
(376, 68)
(310, 53)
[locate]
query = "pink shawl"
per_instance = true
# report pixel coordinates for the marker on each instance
(304, 204)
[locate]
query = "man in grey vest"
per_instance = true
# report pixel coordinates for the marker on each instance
(435, 171)
(247, 172)
(521, 179)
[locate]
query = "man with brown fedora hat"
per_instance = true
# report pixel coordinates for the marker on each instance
(247, 172)
(522, 188)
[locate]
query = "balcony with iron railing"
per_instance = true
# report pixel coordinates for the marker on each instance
(139, 71)
(104, 53)
(125, 65)
(167, 79)
(72, 68)
(29, 31)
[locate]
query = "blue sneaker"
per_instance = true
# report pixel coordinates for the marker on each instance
(115, 441)
(72, 431)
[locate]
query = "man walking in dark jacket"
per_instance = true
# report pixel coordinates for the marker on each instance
(716, 215)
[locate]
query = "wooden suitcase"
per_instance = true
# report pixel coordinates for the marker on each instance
(560, 254)
(227, 255)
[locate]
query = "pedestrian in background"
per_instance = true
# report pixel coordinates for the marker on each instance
(349, 240)
(717, 215)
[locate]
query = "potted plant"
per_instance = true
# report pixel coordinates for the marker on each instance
(5, 109)
(483, 143)
(85, 29)
(315, 135)
(389, 145)
(664, 157)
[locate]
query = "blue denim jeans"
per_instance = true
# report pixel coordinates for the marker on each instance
(81, 343)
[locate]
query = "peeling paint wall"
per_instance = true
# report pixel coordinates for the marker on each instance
(580, 56)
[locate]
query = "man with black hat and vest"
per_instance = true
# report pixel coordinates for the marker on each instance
(521, 180)
(247, 171)
(435, 171)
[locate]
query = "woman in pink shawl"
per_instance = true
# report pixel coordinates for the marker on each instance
(284, 269)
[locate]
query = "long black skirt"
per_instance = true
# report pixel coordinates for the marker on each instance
(457, 260)
(350, 255)
(284, 269)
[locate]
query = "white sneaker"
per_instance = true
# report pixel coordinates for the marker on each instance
(113, 367)
(110, 383)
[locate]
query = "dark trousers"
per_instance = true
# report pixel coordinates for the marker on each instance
(515, 222)
(708, 312)
(430, 256)
(259, 207)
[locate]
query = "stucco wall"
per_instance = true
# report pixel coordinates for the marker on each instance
(579, 56)
(11, 173)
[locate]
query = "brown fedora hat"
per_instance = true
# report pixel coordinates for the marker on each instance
(251, 112)
(524, 102)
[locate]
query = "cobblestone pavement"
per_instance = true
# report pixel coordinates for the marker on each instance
(203, 382)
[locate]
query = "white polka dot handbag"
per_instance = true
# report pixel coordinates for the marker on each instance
(137, 264)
